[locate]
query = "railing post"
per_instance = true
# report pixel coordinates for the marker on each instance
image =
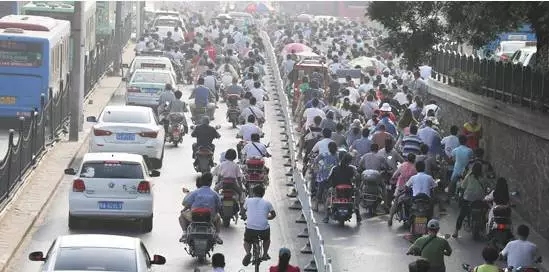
(33, 128)
(50, 123)
(8, 157)
(21, 137)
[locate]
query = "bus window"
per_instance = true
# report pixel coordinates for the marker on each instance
(20, 53)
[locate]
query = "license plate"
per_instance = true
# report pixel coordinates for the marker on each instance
(109, 205)
(7, 100)
(421, 220)
(125, 136)
(150, 90)
(228, 203)
(200, 110)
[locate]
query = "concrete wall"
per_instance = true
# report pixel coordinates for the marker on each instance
(516, 143)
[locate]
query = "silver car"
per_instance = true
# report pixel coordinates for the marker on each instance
(97, 252)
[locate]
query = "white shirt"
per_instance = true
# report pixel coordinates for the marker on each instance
(334, 67)
(258, 93)
(247, 130)
(401, 98)
(430, 107)
(247, 111)
(363, 88)
(520, 253)
(425, 72)
(450, 142)
(322, 146)
(257, 211)
(229, 169)
(251, 151)
(354, 95)
(421, 183)
(311, 113)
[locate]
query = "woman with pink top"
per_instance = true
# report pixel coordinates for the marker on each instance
(401, 176)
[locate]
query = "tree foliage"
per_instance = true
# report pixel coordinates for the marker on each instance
(476, 23)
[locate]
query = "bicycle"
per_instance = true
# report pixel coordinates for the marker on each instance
(257, 252)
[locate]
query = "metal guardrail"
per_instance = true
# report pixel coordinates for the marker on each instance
(42, 126)
(315, 244)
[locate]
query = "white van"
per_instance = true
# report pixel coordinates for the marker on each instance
(525, 56)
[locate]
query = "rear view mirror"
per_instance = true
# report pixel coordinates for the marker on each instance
(91, 119)
(70, 171)
(157, 259)
(37, 256)
(155, 173)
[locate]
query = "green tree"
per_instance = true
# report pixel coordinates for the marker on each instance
(480, 22)
(414, 27)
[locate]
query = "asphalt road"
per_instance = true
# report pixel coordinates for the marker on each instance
(177, 172)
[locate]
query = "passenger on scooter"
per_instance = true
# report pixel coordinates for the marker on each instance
(234, 88)
(211, 83)
(393, 157)
(203, 197)
(321, 147)
(431, 164)
(339, 137)
(432, 247)
(258, 213)
(203, 98)
(421, 183)
(521, 252)
(380, 136)
(310, 113)
(204, 134)
(253, 110)
(259, 94)
(329, 122)
(499, 197)
(245, 102)
(490, 256)
(228, 169)
(177, 111)
(473, 190)
(342, 174)
(403, 173)
(487, 168)
(255, 149)
(373, 160)
(362, 145)
(325, 164)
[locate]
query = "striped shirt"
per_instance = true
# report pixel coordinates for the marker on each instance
(410, 144)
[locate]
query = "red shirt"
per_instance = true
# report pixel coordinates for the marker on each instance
(212, 53)
(290, 269)
(189, 36)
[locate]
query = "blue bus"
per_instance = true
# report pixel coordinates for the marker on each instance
(34, 54)
(525, 33)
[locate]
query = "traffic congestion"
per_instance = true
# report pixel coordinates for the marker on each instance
(191, 135)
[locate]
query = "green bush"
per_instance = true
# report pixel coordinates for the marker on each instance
(469, 81)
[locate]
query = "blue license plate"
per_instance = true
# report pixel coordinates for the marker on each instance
(150, 90)
(110, 205)
(125, 136)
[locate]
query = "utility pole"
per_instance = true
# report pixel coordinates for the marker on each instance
(138, 21)
(118, 39)
(76, 92)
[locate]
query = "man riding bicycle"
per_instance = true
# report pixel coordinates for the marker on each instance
(258, 213)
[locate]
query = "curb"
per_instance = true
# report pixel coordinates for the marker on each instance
(49, 197)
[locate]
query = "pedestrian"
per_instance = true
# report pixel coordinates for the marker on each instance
(284, 265)
(473, 131)
(432, 247)
(218, 262)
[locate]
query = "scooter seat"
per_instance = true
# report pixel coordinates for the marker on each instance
(344, 187)
(201, 214)
(204, 151)
(340, 200)
(255, 163)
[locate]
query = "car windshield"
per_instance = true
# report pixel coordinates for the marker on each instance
(511, 47)
(167, 22)
(121, 170)
(96, 259)
(152, 78)
(132, 117)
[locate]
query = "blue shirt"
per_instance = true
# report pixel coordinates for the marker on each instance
(461, 154)
(362, 145)
(203, 197)
(309, 104)
(389, 126)
(351, 138)
(326, 163)
(431, 138)
(410, 144)
(201, 96)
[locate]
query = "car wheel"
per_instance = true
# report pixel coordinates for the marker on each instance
(73, 222)
(147, 224)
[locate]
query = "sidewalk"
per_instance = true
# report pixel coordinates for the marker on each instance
(19, 216)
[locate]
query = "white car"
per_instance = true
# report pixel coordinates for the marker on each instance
(97, 252)
(130, 129)
(505, 50)
(524, 56)
(151, 63)
(145, 86)
(112, 186)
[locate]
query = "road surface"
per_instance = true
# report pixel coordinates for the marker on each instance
(177, 172)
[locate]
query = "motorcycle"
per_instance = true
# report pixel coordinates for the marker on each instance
(175, 128)
(420, 213)
(233, 111)
(342, 203)
(203, 159)
(477, 219)
(254, 175)
(371, 191)
(198, 113)
(201, 234)
(470, 268)
(230, 203)
(500, 229)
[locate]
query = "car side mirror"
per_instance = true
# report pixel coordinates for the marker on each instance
(37, 256)
(155, 173)
(125, 65)
(70, 171)
(157, 259)
(91, 119)
(124, 79)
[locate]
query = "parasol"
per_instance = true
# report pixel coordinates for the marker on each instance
(296, 48)
(258, 8)
(367, 63)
